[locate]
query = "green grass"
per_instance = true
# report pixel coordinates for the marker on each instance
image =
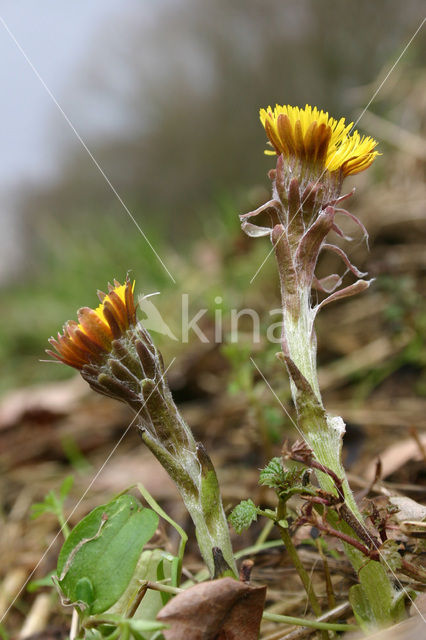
(72, 261)
(75, 257)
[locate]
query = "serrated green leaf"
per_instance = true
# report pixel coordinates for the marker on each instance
(243, 515)
(104, 549)
(286, 482)
(273, 475)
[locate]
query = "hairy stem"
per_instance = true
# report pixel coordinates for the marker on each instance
(192, 471)
(324, 434)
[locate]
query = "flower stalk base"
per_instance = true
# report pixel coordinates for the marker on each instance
(192, 471)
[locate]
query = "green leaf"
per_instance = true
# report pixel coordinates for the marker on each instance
(175, 572)
(3, 633)
(139, 625)
(114, 625)
(286, 482)
(243, 515)
(145, 625)
(92, 634)
(65, 488)
(146, 569)
(177, 563)
(98, 559)
(389, 555)
(50, 504)
(283, 523)
(55, 504)
(273, 475)
(84, 591)
(165, 597)
(398, 605)
(41, 582)
(361, 607)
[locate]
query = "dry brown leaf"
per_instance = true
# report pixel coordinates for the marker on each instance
(396, 456)
(142, 465)
(408, 509)
(221, 609)
(411, 629)
(57, 398)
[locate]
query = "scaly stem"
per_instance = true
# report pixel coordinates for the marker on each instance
(194, 475)
(324, 434)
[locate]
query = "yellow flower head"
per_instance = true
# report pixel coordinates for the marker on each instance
(89, 339)
(313, 136)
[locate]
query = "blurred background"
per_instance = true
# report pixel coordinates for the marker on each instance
(119, 114)
(165, 95)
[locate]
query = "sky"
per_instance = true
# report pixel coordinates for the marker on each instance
(64, 41)
(56, 36)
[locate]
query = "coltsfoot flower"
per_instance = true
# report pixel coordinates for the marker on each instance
(316, 138)
(315, 154)
(116, 355)
(112, 351)
(90, 340)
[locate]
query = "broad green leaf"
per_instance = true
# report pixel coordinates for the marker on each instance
(146, 569)
(99, 557)
(84, 591)
(361, 607)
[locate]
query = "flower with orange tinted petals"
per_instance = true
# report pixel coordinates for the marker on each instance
(89, 340)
